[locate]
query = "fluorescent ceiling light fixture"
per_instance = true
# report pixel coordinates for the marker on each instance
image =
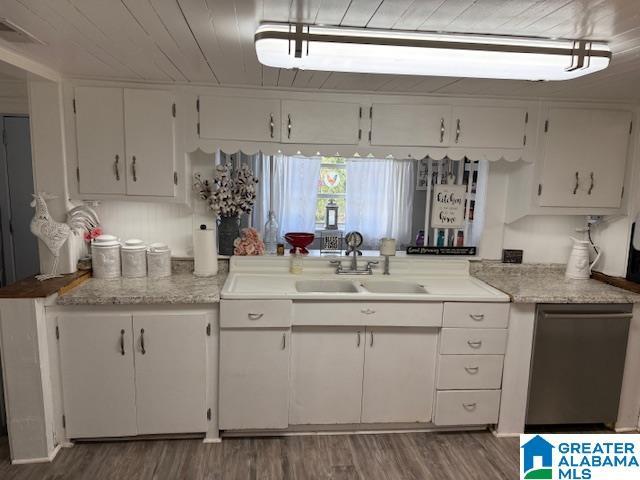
(338, 49)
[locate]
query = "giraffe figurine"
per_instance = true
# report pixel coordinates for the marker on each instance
(54, 234)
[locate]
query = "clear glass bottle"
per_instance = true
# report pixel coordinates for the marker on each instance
(296, 262)
(271, 234)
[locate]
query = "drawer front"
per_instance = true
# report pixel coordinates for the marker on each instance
(373, 314)
(466, 372)
(473, 341)
(255, 313)
(467, 407)
(476, 315)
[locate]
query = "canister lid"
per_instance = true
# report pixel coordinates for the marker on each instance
(158, 248)
(105, 241)
(134, 244)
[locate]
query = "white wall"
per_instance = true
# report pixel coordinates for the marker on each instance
(13, 96)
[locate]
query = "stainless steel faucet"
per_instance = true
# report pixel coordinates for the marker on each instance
(354, 240)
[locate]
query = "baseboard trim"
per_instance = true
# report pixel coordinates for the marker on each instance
(48, 459)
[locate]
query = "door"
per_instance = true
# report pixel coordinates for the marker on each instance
(399, 374)
(408, 125)
(254, 378)
(240, 118)
(326, 375)
(19, 245)
(100, 139)
(488, 127)
(584, 158)
(149, 134)
(332, 123)
(170, 359)
(96, 357)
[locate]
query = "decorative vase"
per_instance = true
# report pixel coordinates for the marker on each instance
(228, 231)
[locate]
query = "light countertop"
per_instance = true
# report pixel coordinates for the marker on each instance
(545, 283)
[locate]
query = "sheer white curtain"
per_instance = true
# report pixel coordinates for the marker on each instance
(294, 192)
(380, 199)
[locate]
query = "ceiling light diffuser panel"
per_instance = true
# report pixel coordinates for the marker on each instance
(338, 49)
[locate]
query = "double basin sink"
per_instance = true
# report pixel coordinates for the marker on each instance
(356, 286)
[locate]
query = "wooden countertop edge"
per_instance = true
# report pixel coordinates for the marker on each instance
(617, 282)
(32, 288)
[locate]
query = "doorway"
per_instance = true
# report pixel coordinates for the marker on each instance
(19, 246)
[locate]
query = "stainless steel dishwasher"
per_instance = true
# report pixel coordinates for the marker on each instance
(577, 363)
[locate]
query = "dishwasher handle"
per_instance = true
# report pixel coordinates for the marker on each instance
(619, 316)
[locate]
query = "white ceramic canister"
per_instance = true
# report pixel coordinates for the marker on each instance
(134, 258)
(158, 260)
(105, 256)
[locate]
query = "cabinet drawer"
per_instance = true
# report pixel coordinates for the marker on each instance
(473, 341)
(476, 315)
(457, 372)
(373, 314)
(255, 313)
(467, 407)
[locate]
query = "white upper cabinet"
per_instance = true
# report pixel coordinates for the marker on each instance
(170, 366)
(326, 375)
(149, 137)
(410, 125)
(399, 374)
(331, 123)
(488, 127)
(100, 134)
(239, 118)
(98, 378)
(584, 159)
(125, 141)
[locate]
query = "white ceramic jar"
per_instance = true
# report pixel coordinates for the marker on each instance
(105, 257)
(134, 258)
(158, 260)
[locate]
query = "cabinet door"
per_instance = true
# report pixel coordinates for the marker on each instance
(96, 356)
(100, 140)
(170, 359)
(254, 378)
(149, 136)
(488, 127)
(585, 158)
(326, 375)
(332, 123)
(407, 125)
(399, 374)
(240, 118)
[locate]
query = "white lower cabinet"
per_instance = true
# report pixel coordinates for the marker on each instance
(254, 378)
(98, 378)
(125, 375)
(170, 370)
(399, 374)
(467, 407)
(326, 375)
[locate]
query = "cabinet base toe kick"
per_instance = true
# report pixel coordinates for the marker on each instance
(352, 429)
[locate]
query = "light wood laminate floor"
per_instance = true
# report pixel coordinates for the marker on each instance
(405, 456)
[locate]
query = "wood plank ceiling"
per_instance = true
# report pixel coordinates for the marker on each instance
(211, 41)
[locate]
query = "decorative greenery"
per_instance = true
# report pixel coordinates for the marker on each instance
(230, 193)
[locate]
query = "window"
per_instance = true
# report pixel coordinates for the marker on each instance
(332, 185)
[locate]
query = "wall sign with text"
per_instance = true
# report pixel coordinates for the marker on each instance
(447, 210)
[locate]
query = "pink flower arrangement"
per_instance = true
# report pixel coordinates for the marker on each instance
(92, 234)
(249, 243)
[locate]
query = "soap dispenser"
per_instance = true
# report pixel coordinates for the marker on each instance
(296, 262)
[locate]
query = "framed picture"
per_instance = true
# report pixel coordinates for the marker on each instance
(447, 207)
(422, 178)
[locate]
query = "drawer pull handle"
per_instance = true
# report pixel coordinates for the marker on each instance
(367, 311)
(122, 342)
(255, 316)
(284, 341)
(371, 344)
(358, 345)
(472, 370)
(476, 344)
(469, 406)
(477, 317)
